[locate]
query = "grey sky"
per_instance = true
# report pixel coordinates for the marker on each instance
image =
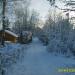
(41, 6)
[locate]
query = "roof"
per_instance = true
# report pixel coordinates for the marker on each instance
(11, 33)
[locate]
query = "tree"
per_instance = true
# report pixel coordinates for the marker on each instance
(0, 7)
(52, 2)
(3, 21)
(34, 19)
(22, 15)
(21, 9)
(7, 23)
(25, 20)
(60, 35)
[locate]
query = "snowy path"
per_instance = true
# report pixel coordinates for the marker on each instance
(37, 61)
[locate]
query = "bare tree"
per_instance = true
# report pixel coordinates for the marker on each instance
(34, 19)
(3, 21)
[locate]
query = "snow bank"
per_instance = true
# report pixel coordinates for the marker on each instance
(11, 53)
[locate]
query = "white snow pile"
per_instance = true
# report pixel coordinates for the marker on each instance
(11, 54)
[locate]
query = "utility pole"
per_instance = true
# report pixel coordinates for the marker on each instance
(3, 21)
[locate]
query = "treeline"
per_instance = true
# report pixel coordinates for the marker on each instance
(61, 34)
(26, 20)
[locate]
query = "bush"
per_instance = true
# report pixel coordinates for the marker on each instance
(10, 54)
(44, 39)
(58, 47)
(25, 37)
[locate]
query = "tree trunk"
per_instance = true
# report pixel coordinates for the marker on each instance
(3, 21)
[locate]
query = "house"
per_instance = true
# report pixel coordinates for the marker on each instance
(9, 36)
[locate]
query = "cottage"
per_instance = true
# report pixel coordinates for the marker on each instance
(9, 36)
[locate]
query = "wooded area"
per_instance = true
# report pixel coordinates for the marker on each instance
(56, 32)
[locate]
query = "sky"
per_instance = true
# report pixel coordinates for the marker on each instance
(41, 6)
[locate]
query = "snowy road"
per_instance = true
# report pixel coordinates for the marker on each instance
(37, 61)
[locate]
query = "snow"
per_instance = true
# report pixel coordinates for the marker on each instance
(37, 61)
(11, 53)
(7, 31)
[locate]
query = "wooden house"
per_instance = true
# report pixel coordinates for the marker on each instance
(9, 36)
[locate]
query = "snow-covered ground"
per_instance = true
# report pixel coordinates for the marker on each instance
(11, 53)
(37, 61)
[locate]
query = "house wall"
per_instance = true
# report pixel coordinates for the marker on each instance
(9, 37)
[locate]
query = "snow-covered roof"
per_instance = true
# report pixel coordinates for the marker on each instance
(13, 34)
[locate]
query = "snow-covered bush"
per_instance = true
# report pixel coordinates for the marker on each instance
(44, 39)
(10, 54)
(61, 37)
(73, 49)
(25, 37)
(57, 46)
(71, 41)
(53, 45)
